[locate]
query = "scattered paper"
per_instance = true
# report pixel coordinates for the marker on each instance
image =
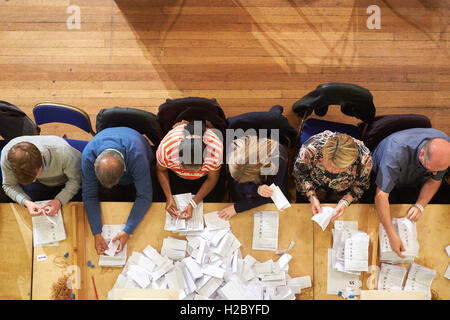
(265, 230)
(447, 273)
(213, 222)
(278, 198)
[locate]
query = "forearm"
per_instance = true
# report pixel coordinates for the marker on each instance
(207, 186)
(163, 178)
(383, 211)
(428, 191)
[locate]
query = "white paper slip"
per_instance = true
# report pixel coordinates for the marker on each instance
(53, 219)
(113, 245)
(173, 248)
(323, 219)
(139, 275)
(109, 232)
(357, 252)
(448, 250)
(265, 230)
(447, 273)
(278, 198)
(391, 277)
(185, 226)
(419, 278)
(291, 245)
(46, 232)
(213, 222)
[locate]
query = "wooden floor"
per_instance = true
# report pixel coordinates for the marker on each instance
(249, 54)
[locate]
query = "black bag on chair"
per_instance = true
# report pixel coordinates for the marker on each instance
(190, 109)
(140, 120)
(15, 123)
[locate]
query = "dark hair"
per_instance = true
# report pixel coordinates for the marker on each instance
(25, 160)
(191, 148)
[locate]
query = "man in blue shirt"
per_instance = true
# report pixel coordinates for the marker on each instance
(409, 158)
(116, 156)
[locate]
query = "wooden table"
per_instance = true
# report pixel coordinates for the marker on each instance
(294, 225)
(16, 252)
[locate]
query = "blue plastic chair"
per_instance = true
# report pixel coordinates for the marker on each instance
(48, 112)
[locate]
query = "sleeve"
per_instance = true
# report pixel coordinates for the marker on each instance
(72, 170)
(144, 192)
(90, 194)
(160, 155)
(9, 183)
(303, 166)
(362, 181)
(439, 176)
(387, 174)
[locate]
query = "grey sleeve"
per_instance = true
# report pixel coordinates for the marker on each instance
(10, 185)
(72, 169)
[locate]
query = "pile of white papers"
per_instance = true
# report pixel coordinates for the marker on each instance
(278, 198)
(323, 218)
(213, 269)
(111, 259)
(265, 230)
(48, 230)
(420, 278)
(406, 230)
(185, 226)
(391, 277)
(350, 248)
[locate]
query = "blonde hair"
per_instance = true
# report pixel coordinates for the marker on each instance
(341, 150)
(251, 157)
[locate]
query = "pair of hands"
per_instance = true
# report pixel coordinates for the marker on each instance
(228, 212)
(101, 246)
(172, 209)
(50, 208)
(316, 208)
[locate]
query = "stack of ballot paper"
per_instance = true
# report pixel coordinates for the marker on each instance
(48, 230)
(209, 265)
(278, 198)
(350, 252)
(391, 277)
(406, 229)
(111, 259)
(419, 278)
(265, 230)
(185, 226)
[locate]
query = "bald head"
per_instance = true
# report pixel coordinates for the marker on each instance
(109, 167)
(435, 155)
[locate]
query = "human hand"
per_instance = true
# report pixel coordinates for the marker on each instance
(122, 237)
(100, 244)
(171, 207)
(338, 211)
(396, 245)
(414, 214)
(186, 213)
(227, 213)
(315, 205)
(265, 191)
(52, 207)
(33, 208)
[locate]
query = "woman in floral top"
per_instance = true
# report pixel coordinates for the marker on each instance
(332, 166)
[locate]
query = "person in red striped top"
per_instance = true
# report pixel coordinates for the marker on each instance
(188, 159)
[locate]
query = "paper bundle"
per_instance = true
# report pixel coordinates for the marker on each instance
(323, 218)
(391, 277)
(48, 230)
(406, 229)
(111, 259)
(185, 226)
(212, 267)
(278, 198)
(420, 278)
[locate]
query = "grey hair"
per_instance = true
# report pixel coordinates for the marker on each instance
(109, 176)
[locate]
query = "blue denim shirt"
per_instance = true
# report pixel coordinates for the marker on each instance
(396, 159)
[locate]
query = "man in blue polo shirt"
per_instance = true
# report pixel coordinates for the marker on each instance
(410, 158)
(120, 157)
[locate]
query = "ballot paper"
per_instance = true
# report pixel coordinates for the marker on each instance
(356, 253)
(265, 230)
(323, 219)
(447, 249)
(406, 230)
(112, 248)
(174, 249)
(117, 260)
(391, 277)
(213, 222)
(45, 231)
(342, 231)
(338, 281)
(278, 198)
(185, 226)
(419, 278)
(447, 273)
